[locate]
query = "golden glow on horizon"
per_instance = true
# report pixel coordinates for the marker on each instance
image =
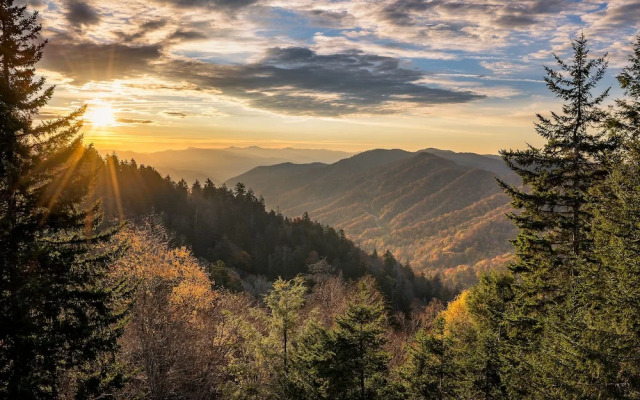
(100, 115)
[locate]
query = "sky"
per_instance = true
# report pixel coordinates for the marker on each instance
(465, 75)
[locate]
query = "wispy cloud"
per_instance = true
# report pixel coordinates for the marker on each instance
(325, 59)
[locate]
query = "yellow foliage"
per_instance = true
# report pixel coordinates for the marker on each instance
(457, 317)
(160, 269)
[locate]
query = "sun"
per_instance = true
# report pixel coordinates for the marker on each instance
(100, 115)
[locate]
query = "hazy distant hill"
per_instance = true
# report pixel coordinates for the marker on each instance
(489, 162)
(222, 164)
(440, 210)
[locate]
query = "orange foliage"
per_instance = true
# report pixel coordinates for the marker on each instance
(155, 266)
(168, 339)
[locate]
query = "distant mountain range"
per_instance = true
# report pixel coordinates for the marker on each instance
(440, 210)
(221, 164)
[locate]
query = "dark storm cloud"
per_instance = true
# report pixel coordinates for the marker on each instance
(91, 61)
(298, 81)
(81, 13)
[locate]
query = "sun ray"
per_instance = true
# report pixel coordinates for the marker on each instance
(73, 163)
(116, 186)
(100, 114)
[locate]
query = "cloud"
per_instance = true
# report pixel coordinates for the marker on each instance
(153, 25)
(90, 61)
(616, 16)
(81, 13)
(186, 35)
(212, 4)
(402, 12)
(175, 114)
(133, 121)
(146, 27)
(473, 12)
(470, 25)
(298, 81)
(31, 3)
(329, 18)
(502, 67)
(515, 20)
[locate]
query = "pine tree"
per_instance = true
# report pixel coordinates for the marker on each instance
(60, 321)
(554, 221)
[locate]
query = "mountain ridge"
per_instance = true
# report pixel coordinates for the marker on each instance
(442, 212)
(220, 164)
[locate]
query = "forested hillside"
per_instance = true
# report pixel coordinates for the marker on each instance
(221, 164)
(442, 212)
(232, 229)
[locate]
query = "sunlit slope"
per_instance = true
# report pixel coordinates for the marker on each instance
(434, 212)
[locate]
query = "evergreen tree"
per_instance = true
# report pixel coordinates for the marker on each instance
(358, 367)
(60, 320)
(612, 334)
(285, 300)
(487, 304)
(608, 345)
(308, 376)
(554, 221)
(430, 370)
(627, 121)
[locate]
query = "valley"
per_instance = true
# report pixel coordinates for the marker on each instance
(438, 210)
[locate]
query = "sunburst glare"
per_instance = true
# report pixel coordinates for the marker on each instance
(100, 115)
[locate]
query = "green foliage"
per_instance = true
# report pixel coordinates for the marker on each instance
(346, 361)
(554, 223)
(223, 277)
(487, 302)
(609, 311)
(359, 362)
(308, 377)
(430, 370)
(285, 300)
(61, 317)
(627, 120)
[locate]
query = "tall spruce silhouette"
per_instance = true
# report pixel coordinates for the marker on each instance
(553, 216)
(60, 320)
